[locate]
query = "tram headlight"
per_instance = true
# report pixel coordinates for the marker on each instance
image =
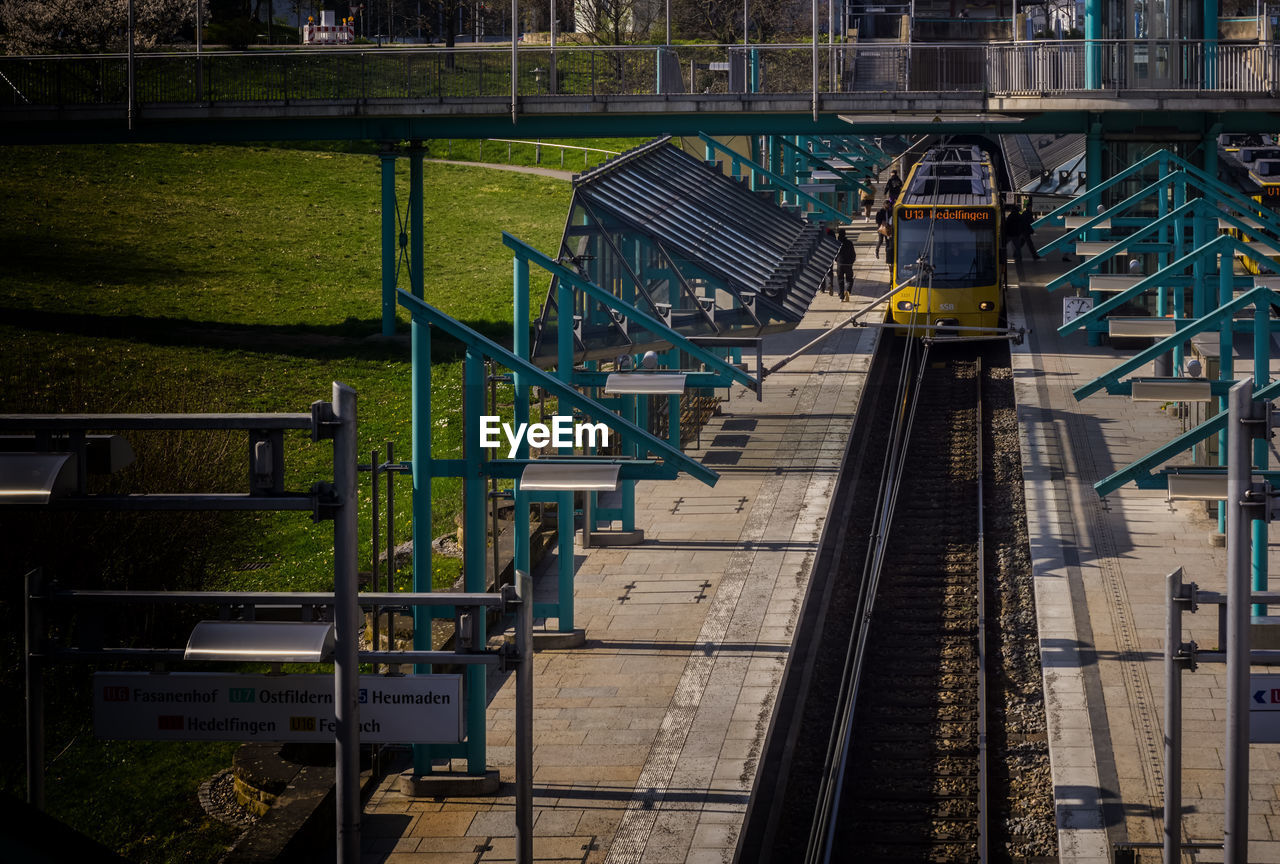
(905, 305)
(986, 306)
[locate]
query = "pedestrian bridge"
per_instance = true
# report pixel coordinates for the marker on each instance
(1167, 88)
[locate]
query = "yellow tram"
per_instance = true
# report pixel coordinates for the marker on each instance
(947, 252)
(1252, 163)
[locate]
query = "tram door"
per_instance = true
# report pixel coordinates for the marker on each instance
(1154, 62)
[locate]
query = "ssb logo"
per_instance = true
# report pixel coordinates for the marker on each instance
(302, 724)
(115, 694)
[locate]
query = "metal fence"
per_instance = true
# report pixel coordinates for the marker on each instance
(1059, 67)
(470, 73)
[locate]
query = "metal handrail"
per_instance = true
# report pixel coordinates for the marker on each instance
(484, 73)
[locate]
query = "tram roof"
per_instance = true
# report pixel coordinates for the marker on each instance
(950, 176)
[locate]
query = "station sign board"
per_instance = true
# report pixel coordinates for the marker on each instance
(1264, 709)
(199, 706)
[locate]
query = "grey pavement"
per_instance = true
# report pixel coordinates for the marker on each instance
(1099, 569)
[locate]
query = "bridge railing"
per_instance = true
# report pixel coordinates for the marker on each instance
(1060, 67)
(479, 73)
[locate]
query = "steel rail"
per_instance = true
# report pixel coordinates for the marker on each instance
(822, 834)
(831, 792)
(984, 836)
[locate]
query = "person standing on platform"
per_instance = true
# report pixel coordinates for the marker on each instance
(1017, 226)
(845, 257)
(893, 187)
(884, 227)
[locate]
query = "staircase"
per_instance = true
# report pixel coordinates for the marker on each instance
(879, 65)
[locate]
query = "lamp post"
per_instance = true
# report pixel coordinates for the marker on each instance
(199, 51)
(129, 112)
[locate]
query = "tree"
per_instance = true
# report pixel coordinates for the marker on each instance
(87, 26)
(720, 21)
(617, 22)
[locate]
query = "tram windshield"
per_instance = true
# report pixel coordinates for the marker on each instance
(963, 254)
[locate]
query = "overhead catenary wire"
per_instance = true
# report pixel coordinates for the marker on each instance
(822, 832)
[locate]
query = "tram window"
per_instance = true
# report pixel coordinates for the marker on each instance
(963, 255)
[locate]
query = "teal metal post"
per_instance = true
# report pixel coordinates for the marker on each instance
(754, 84)
(1162, 210)
(389, 211)
(1226, 363)
(1211, 46)
(1211, 150)
(671, 360)
(642, 413)
(1201, 232)
(1180, 230)
(520, 347)
(415, 219)
(1179, 246)
(1199, 275)
(420, 355)
(793, 160)
(1092, 49)
(629, 486)
(776, 163)
(1093, 173)
(474, 496)
(564, 501)
(1261, 378)
(754, 152)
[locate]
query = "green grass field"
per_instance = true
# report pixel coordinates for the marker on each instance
(172, 278)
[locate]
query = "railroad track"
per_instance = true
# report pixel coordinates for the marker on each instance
(907, 764)
(914, 785)
(905, 774)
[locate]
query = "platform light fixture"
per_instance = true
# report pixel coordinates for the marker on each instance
(261, 641)
(1195, 483)
(35, 478)
(1142, 328)
(569, 477)
(1197, 487)
(1170, 390)
(645, 384)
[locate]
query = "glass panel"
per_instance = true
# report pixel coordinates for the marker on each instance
(963, 255)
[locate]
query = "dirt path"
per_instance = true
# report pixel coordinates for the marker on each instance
(523, 169)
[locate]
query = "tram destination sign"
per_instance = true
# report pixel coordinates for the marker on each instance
(972, 215)
(1264, 709)
(198, 706)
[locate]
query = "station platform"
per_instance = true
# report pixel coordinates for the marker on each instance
(1099, 569)
(646, 738)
